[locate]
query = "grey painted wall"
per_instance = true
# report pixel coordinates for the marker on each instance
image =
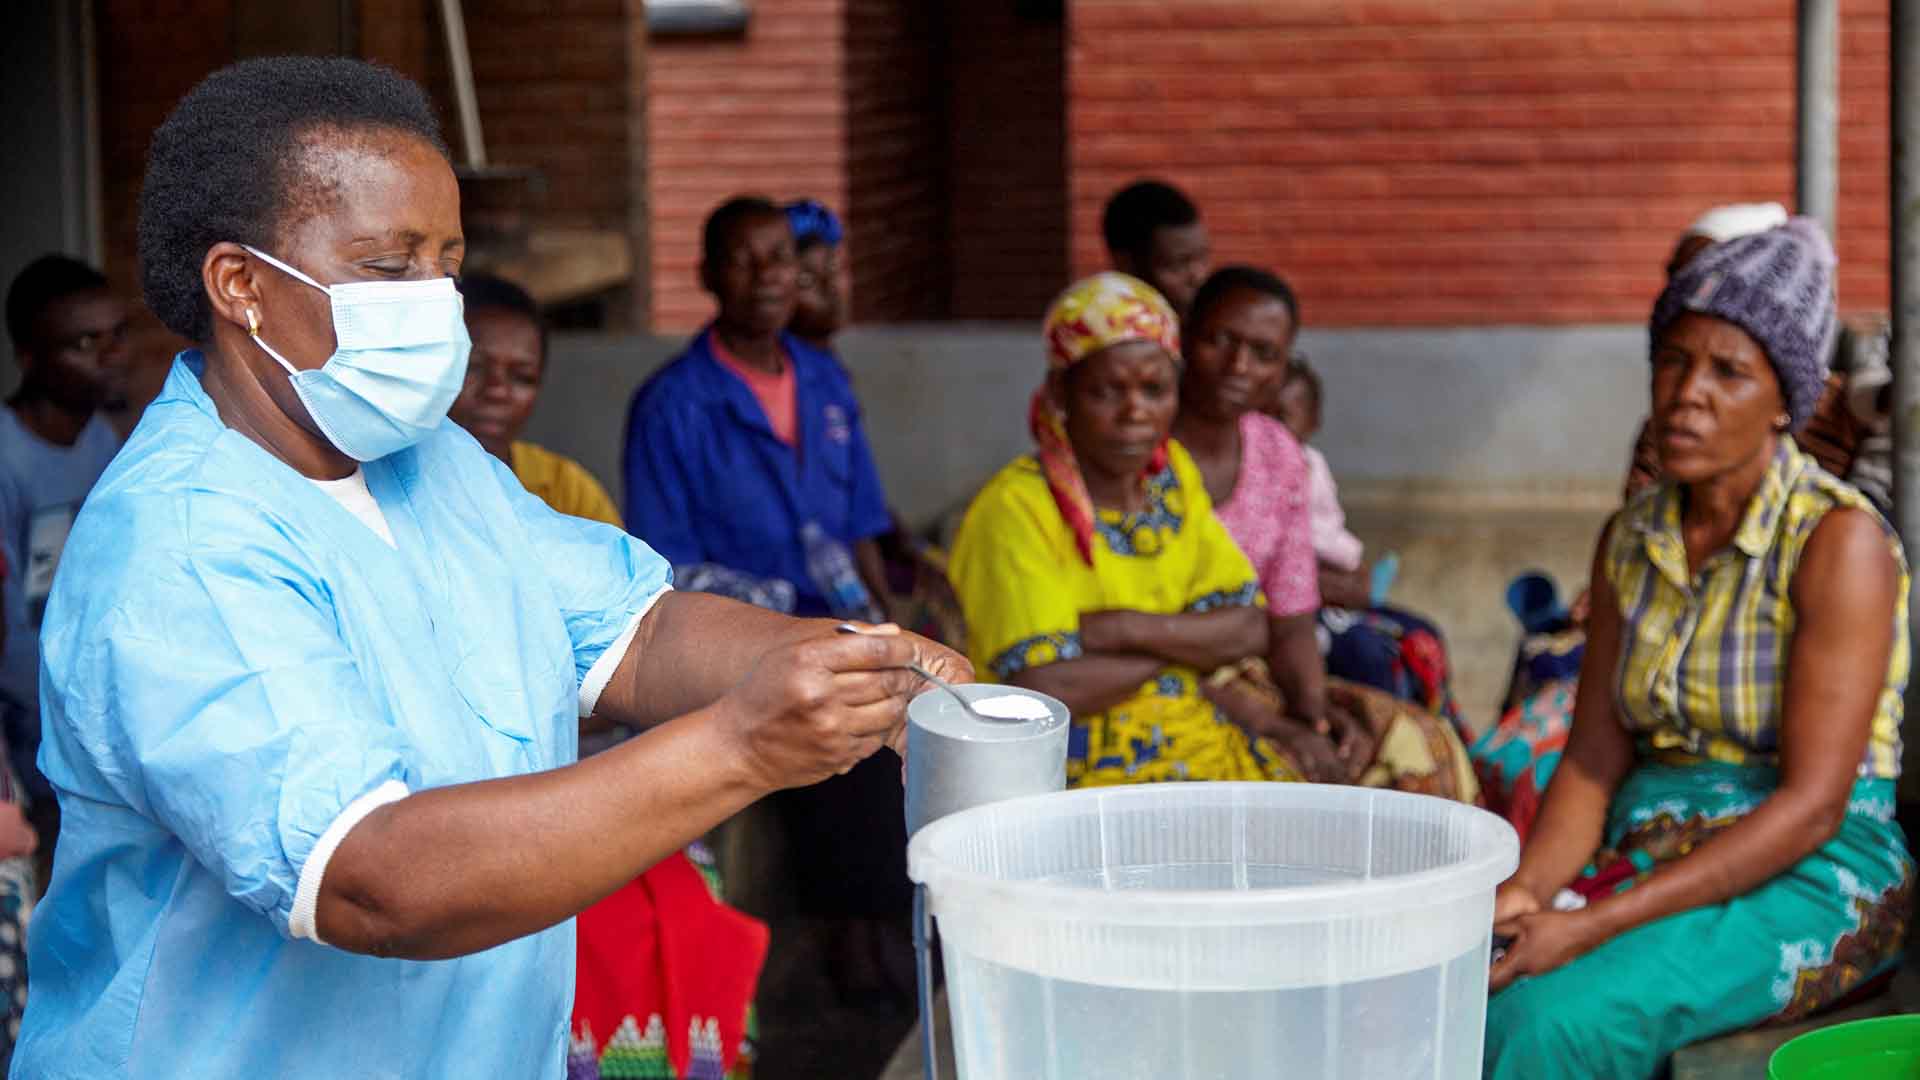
(1505, 417)
(1515, 415)
(44, 80)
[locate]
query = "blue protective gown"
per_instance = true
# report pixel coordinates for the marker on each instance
(230, 658)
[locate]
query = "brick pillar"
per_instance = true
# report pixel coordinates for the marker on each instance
(765, 112)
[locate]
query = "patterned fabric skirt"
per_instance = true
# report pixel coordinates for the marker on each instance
(1395, 651)
(1414, 750)
(1794, 946)
(16, 903)
(664, 982)
(1516, 756)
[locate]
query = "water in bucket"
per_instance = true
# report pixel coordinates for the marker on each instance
(1216, 930)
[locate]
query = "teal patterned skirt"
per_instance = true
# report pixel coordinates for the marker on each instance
(1793, 947)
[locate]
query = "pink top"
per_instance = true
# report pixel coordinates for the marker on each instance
(777, 394)
(1332, 542)
(1267, 515)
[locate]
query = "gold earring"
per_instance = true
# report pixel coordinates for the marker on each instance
(253, 323)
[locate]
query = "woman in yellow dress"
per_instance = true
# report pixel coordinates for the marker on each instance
(1095, 570)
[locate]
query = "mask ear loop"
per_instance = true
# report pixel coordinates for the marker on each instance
(253, 330)
(290, 271)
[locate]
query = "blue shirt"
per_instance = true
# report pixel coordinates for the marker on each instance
(707, 481)
(41, 489)
(231, 658)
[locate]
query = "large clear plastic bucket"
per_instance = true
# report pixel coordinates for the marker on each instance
(1216, 931)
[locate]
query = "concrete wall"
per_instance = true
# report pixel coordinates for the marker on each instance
(1509, 418)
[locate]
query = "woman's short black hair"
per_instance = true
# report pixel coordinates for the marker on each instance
(1229, 279)
(225, 165)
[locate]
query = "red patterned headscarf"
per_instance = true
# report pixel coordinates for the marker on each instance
(1097, 313)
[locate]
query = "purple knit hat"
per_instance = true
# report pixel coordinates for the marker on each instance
(1776, 285)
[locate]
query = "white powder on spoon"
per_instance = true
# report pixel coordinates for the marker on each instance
(1011, 707)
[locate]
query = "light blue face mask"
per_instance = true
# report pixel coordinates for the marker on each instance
(399, 359)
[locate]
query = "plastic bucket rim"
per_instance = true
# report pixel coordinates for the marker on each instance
(1481, 871)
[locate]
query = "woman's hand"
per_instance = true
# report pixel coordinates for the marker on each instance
(1542, 942)
(817, 707)
(1318, 760)
(1310, 750)
(1355, 722)
(1351, 589)
(939, 660)
(1514, 900)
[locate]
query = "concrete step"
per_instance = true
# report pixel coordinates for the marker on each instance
(1745, 1054)
(908, 1062)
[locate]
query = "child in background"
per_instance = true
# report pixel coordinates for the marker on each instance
(1341, 553)
(1365, 641)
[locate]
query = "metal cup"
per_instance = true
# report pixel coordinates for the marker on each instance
(955, 761)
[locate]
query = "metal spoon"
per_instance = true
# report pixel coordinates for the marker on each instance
(849, 628)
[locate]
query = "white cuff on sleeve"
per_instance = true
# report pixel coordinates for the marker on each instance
(601, 673)
(306, 897)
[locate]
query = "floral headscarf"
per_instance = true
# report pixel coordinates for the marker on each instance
(1097, 313)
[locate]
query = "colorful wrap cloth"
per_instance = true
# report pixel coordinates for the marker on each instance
(1098, 313)
(665, 979)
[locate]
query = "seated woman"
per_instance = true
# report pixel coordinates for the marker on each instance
(1238, 348)
(1368, 642)
(1746, 656)
(1096, 571)
(631, 1004)
(1516, 756)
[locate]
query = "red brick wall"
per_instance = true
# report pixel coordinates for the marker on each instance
(1007, 185)
(150, 55)
(551, 80)
(896, 152)
(1471, 162)
(762, 114)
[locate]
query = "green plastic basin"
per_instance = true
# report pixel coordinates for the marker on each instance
(1884, 1048)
